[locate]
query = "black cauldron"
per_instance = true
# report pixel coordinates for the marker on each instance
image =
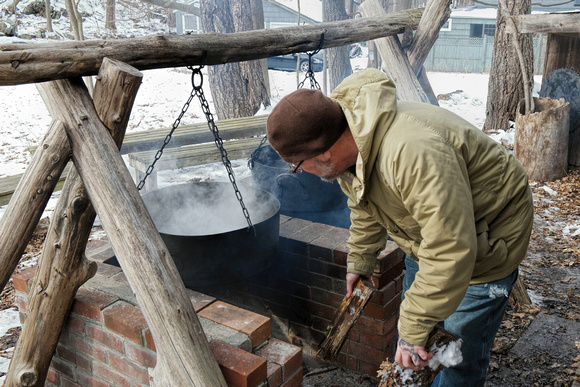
(302, 195)
(208, 236)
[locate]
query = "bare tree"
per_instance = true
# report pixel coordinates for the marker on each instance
(228, 89)
(506, 87)
(110, 15)
(76, 23)
(48, 13)
(338, 57)
(175, 5)
(244, 13)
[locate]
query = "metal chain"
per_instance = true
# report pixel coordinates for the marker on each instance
(198, 90)
(310, 74)
(159, 153)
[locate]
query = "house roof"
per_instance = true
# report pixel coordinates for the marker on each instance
(311, 9)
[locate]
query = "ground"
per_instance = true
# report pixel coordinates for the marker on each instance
(537, 345)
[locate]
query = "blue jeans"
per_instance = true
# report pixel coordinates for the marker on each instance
(476, 322)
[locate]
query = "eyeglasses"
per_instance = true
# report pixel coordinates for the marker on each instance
(295, 168)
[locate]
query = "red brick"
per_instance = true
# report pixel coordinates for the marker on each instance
(63, 367)
(104, 337)
(149, 342)
(274, 375)
(379, 342)
(90, 302)
(389, 275)
(296, 379)
(75, 324)
(321, 310)
(382, 312)
(368, 354)
(199, 300)
(140, 356)
(286, 355)
(69, 383)
(106, 270)
(53, 377)
(379, 327)
(385, 294)
(120, 277)
(326, 298)
(113, 377)
(389, 257)
(240, 368)
(126, 320)
(257, 327)
(129, 368)
(89, 348)
(89, 381)
(74, 357)
(20, 280)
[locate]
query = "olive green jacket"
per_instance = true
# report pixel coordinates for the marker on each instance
(452, 198)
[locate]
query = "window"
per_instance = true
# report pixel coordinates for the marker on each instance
(479, 30)
(447, 25)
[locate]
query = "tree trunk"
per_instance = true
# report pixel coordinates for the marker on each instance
(63, 268)
(48, 13)
(76, 22)
(562, 53)
(252, 71)
(338, 58)
(183, 354)
(26, 63)
(541, 140)
(505, 88)
(395, 62)
(228, 89)
(110, 16)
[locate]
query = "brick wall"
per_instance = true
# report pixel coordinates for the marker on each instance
(106, 341)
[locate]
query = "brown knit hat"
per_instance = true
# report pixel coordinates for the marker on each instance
(305, 124)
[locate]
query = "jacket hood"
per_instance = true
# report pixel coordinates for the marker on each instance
(368, 100)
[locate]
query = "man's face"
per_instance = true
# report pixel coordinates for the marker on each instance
(326, 170)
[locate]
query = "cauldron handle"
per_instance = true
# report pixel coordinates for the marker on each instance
(289, 179)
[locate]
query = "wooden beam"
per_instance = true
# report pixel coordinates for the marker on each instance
(29, 63)
(553, 23)
(184, 357)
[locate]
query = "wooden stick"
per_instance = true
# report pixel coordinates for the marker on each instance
(349, 311)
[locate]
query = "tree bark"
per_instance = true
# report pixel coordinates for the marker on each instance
(338, 58)
(110, 16)
(541, 140)
(48, 13)
(27, 63)
(395, 62)
(562, 53)
(228, 89)
(63, 268)
(183, 354)
(252, 72)
(505, 88)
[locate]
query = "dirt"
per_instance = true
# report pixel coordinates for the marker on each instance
(537, 344)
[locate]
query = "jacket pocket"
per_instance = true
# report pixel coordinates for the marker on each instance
(491, 253)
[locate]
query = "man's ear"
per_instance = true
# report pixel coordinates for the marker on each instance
(325, 156)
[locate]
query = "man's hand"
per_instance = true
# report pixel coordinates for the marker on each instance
(411, 356)
(351, 279)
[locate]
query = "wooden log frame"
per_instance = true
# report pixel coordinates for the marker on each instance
(27, 63)
(183, 354)
(406, 68)
(63, 268)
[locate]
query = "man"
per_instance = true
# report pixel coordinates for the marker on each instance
(456, 202)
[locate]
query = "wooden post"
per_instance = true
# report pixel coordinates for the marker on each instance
(63, 268)
(541, 140)
(183, 354)
(30, 198)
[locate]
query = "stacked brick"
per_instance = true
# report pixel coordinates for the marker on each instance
(106, 340)
(262, 330)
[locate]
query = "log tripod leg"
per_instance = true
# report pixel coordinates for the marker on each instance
(63, 267)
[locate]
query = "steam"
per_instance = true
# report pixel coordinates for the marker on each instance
(205, 208)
